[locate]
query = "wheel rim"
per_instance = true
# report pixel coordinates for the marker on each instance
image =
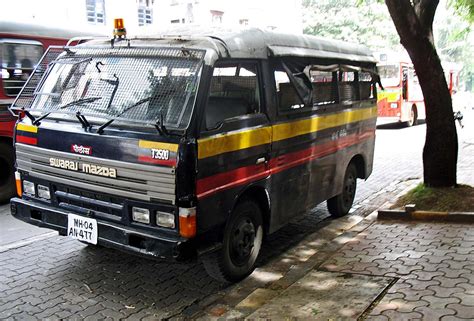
(242, 241)
(412, 117)
(349, 190)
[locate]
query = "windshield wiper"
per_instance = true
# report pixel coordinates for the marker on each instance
(159, 124)
(70, 104)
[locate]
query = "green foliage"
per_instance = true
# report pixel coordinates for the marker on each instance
(464, 8)
(369, 24)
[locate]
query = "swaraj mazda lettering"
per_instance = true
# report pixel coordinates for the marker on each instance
(193, 146)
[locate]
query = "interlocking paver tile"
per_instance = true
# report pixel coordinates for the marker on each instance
(443, 292)
(425, 275)
(453, 273)
(430, 313)
(462, 311)
(432, 267)
(395, 315)
(466, 299)
(468, 287)
(450, 282)
(438, 302)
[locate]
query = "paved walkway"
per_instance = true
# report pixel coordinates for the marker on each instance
(306, 268)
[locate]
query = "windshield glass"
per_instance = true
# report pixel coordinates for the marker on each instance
(129, 84)
(390, 75)
(17, 62)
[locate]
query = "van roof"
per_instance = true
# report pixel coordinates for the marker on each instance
(258, 43)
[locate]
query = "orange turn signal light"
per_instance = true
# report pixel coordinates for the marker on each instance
(19, 190)
(187, 222)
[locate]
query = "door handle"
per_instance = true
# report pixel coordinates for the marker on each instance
(260, 160)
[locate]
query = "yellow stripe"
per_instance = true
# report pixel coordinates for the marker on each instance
(306, 126)
(27, 128)
(157, 145)
(223, 143)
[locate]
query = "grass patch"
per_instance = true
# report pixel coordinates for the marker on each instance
(449, 199)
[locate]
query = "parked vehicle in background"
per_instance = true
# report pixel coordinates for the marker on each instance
(401, 100)
(182, 145)
(21, 47)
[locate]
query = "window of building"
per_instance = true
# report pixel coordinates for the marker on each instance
(145, 12)
(95, 11)
(217, 16)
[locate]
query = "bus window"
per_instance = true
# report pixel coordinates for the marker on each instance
(18, 59)
(390, 75)
(234, 92)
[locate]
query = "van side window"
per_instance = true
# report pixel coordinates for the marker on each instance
(348, 86)
(288, 99)
(234, 92)
(324, 87)
(366, 86)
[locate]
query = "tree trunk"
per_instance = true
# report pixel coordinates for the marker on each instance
(414, 25)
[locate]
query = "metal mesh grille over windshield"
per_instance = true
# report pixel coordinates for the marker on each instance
(141, 85)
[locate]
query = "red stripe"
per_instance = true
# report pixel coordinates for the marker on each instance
(148, 159)
(243, 175)
(26, 140)
(239, 176)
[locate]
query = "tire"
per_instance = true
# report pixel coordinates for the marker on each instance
(413, 117)
(7, 172)
(241, 244)
(340, 204)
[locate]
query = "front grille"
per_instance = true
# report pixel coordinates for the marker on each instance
(88, 203)
(133, 181)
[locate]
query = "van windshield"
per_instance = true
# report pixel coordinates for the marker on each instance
(134, 85)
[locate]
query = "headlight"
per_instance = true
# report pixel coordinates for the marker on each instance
(165, 219)
(28, 187)
(43, 192)
(141, 215)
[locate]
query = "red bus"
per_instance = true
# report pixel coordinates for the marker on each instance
(402, 99)
(21, 47)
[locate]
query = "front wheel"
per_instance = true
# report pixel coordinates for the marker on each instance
(340, 204)
(241, 244)
(7, 172)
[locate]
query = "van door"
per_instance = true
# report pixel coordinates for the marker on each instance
(235, 142)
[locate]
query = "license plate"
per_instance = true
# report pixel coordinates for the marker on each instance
(82, 228)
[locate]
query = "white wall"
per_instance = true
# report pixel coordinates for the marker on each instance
(284, 16)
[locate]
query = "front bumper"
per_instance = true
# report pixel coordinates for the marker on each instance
(113, 235)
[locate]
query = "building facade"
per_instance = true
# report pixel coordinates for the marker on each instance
(158, 14)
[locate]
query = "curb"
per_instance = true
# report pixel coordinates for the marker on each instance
(408, 214)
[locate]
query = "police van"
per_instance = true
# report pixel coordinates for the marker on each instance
(193, 144)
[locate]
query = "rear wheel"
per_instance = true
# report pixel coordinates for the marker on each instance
(7, 172)
(340, 204)
(413, 117)
(241, 244)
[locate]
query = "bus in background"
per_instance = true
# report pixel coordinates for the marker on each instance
(21, 47)
(401, 100)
